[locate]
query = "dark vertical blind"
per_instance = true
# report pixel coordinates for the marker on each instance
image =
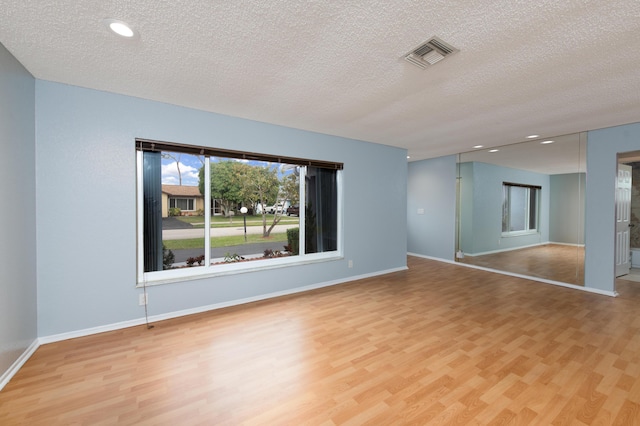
(152, 204)
(322, 210)
(533, 206)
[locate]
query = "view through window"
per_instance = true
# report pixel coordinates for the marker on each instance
(203, 211)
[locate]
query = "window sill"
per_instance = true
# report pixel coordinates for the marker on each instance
(519, 233)
(203, 272)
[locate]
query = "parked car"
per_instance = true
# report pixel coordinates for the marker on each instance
(273, 209)
(293, 210)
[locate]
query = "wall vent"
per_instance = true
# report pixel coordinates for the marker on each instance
(429, 53)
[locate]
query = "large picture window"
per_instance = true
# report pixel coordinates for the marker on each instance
(246, 211)
(519, 208)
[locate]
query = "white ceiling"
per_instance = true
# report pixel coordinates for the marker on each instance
(548, 67)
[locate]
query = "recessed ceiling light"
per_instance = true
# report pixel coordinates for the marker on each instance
(121, 28)
(494, 150)
(546, 142)
(477, 146)
(408, 156)
(533, 136)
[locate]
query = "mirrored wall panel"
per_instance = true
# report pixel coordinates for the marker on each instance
(521, 208)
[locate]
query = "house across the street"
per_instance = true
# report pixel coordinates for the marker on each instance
(187, 198)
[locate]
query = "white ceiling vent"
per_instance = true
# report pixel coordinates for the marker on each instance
(430, 52)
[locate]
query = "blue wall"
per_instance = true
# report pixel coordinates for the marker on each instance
(431, 187)
(86, 212)
(18, 251)
(602, 148)
(481, 207)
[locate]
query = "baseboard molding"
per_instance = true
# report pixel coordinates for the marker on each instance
(566, 244)
(438, 259)
(482, 253)
(89, 331)
(522, 247)
(175, 314)
(526, 277)
(17, 364)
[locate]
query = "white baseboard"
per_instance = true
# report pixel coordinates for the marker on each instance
(175, 314)
(482, 253)
(439, 259)
(566, 244)
(89, 331)
(7, 375)
(522, 247)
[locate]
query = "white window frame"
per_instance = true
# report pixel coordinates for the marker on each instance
(527, 218)
(208, 270)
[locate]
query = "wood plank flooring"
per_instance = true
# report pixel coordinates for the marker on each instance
(554, 262)
(437, 344)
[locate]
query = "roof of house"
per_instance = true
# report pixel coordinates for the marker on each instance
(181, 190)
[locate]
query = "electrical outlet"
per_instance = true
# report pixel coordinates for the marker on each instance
(143, 299)
(350, 263)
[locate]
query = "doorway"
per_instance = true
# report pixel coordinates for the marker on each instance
(627, 240)
(623, 220)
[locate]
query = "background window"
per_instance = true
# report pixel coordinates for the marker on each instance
(186, 204)
(519, 208)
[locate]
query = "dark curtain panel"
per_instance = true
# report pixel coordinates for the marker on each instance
(321, 221)
(533, 208)
(152, 194)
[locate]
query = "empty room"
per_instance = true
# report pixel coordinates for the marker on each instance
(322, 213)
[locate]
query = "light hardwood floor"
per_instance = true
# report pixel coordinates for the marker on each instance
(437, 344)
(554, 262)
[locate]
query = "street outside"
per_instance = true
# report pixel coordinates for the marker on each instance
(179, 234)
(174, 229)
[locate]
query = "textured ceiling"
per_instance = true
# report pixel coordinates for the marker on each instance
(334, 66)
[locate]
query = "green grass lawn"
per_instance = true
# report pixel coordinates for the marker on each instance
(235, 240)
(223, 222)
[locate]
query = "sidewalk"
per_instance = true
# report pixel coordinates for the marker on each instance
(179, 234)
